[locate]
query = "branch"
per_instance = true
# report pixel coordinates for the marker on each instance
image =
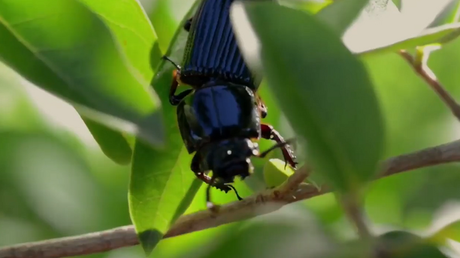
(422, 69)
(353, 210)
(263, 203)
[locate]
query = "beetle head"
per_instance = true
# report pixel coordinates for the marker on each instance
(230, 158)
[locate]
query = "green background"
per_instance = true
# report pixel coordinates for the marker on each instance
(55, 181)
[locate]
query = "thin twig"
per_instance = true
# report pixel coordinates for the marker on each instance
(355, 214)
(293, 182)
(259, 204)
(422, 69)
(350, 203)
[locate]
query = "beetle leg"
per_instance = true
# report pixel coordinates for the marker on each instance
(173, 98)
(269, 133)
(261, 106)
(207, 179)
(203, 177)
(195, 166)
(278, 145)
(188, 24)
(209, 203)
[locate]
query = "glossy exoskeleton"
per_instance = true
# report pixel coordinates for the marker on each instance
(219, 118)
(220, 122)
(212, 51)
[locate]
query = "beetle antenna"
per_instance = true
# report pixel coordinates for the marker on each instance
(237, 195)
(172, 62)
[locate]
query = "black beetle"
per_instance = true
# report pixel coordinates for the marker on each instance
(219, 118)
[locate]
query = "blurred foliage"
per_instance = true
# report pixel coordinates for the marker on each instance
(56, 181)
(69, 50)
(337, 128)
(398, 3)
(450, 13)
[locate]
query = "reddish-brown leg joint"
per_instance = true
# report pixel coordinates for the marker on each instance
(173, 88)
(261, 106)
(203, 177)
(269, 133)
(173, 98)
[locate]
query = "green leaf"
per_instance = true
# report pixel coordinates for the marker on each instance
(341, 14)
(159, 178)
(450, 231)
(66, 49)
(162, 185)
(442, 34)
(449, 14)
(164, 23)
(112, 143)
(401, 244)
(315, 6)
(309, 6)
(398, 4)
(275, 173)
(17, 111)
(322, 88)
(134, 33)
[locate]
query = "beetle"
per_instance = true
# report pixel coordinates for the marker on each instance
(220, 122)
(219, 117)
